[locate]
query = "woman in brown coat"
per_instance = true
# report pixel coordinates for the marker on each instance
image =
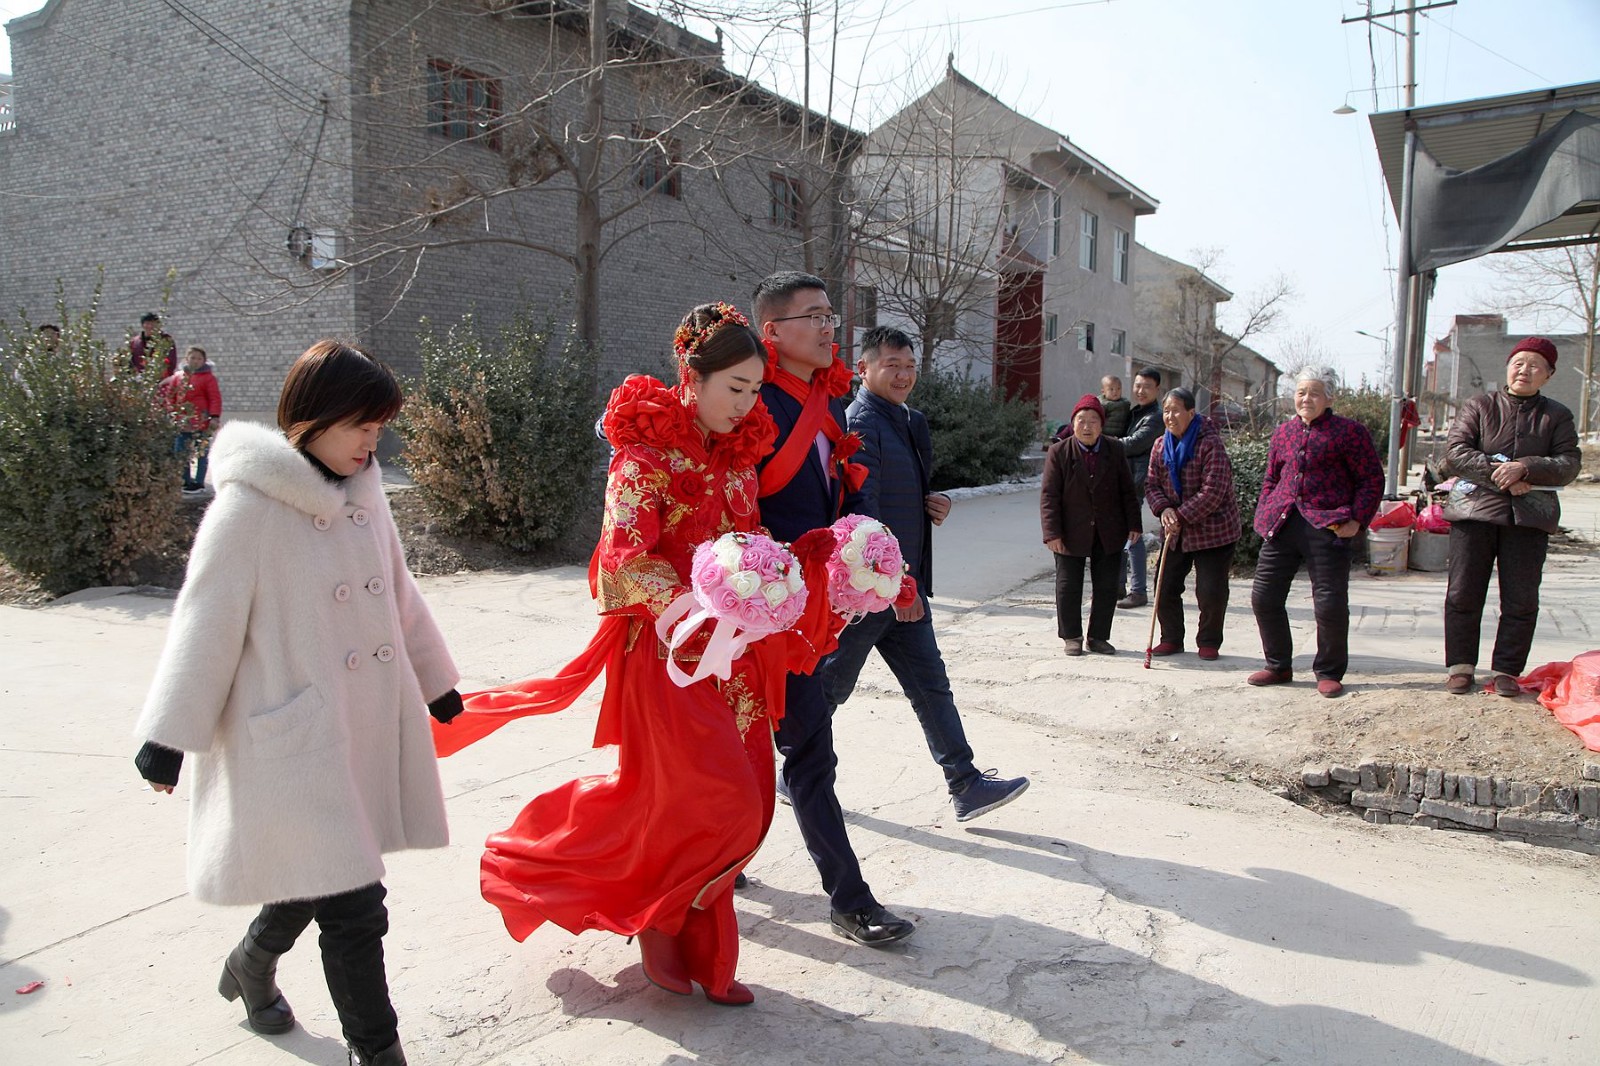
(1088, 510)
(1508, 449)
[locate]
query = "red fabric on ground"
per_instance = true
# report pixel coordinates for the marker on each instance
(1571, 692)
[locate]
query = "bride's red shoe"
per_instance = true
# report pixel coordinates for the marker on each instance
(737, 995)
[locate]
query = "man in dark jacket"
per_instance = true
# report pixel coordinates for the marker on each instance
(1144, 429)
(897, 451)
(804, 484)
(152, 342)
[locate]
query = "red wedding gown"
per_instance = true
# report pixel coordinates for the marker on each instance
(656, 843)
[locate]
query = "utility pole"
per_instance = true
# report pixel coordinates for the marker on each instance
(1410, 290)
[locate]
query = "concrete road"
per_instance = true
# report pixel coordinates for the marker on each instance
(1116, 913)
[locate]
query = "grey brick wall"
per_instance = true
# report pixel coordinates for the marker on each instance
(143, 147)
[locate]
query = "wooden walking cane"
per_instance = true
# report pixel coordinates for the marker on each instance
(1155, 601)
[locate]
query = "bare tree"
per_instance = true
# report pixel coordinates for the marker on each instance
(571, 132)
(1195, 333)
(1556, 288)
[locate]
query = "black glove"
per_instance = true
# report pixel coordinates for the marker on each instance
(159, 765)
(446, 707)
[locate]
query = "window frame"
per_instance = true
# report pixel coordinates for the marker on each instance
(1052, 327)
(1119, 342)
(1121, 254)
(1089, 241)
(1057, 214)
(786, 210)
(1085, 331)
(866, 309)
(444, 78)
(658, 169)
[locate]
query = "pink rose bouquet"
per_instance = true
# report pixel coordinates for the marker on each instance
(748, 585)
(865, 569)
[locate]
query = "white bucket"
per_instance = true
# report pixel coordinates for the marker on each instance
(1386, 550)
(1430, 551)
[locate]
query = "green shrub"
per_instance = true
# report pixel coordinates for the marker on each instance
(88, 481)
(499, 433)
(1370, 407)
(978, 435)
(1247, 450)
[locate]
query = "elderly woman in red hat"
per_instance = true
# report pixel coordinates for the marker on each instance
(1088, 510)
(1509, 450)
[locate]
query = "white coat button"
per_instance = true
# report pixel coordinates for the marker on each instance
(321, 522)
(342, 593)
(375, 586)
(385, 653)
(359, 518)
(352, 661)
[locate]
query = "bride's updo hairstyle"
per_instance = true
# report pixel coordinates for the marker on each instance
(714, 337)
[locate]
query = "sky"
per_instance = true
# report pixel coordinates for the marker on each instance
(1222, 110)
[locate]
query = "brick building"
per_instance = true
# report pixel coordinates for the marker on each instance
(1006, 246)
(1472, 359)
(284, 171)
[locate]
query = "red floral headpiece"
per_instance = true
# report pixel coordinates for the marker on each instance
(689, 338)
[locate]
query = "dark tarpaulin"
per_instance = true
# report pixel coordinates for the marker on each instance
(1462, 214)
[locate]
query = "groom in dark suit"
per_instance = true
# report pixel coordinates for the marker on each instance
(897, 450)
(804, 486)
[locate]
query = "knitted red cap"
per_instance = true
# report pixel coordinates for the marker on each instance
(1090, 402)
(1541, 345)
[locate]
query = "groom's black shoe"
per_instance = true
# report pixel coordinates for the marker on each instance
(873, 927)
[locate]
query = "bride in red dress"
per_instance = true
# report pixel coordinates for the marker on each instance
(651, 850)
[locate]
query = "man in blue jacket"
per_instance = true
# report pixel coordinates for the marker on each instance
(803, 486)
(897, 451)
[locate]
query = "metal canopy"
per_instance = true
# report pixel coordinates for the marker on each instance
(1470, 133)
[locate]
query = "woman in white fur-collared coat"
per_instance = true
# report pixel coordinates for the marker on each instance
(299, 667)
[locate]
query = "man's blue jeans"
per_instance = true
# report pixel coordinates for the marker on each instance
(912, 652)
(1133, 568)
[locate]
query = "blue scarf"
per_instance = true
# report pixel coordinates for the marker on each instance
(1176, 453)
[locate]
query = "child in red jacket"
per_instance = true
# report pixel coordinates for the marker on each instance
(195, 401)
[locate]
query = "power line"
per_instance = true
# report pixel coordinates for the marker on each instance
(1451, 29)
(290, 91)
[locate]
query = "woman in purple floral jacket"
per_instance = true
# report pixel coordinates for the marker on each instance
(1322, 485)
(1190, 488)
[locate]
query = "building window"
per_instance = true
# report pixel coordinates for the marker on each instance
(1086, 336)
(866, 307)
(787, 199)
(941, 320)
(1122, 244)
(1087, 246)
(1055, 225)
(1119, 342)
(1051, 327)
(658, 167)
(462, 104)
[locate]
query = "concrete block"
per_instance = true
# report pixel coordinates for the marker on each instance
(1460, 814)
(1368, 776)
(1419, 781)
(1314, 778)
(1466, 789)
(1589, 801)
(1500, 789)
(1425, 821)
(1396, 818)
(1385, 801)
(1544, 825)
(1377, 817)
(1385, 772)
(1589, 832)
(1565, 799)
(1433, 784)
(1591, 770)
(1452, 783)
(1400, 779)
(1484, 790)
(1344, 774)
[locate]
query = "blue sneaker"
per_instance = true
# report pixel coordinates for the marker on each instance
(987, 793)
(783, 791)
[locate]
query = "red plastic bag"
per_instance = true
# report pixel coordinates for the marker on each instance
(1571, 692)
(1399, 517)
(1432, 520)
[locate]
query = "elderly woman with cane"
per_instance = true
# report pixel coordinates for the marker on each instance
(1088, 511)
(1190, 489)
(1508, 450)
